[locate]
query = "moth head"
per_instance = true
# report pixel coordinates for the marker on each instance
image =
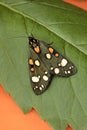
(34, 44)
(33, 41)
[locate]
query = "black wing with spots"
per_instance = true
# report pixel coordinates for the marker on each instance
(44, 62)
(39, 74)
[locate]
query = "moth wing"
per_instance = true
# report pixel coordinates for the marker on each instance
(57, 63)
(39, 73)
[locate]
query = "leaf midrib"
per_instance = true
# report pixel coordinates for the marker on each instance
(50, 5)
(38, 22)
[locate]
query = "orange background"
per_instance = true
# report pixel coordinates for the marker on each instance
(11, 116)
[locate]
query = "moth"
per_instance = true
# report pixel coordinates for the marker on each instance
(45, 62)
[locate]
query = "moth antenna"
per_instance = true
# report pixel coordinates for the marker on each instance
(50, 43)
(17, 37)
(32, 35)
(27, 29)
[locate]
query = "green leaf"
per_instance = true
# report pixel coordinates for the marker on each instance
(65, 102)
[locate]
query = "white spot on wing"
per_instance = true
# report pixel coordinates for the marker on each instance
(48, 56)
(40, 88)
(37, 63)
(39, 76)
(51, 68)
(63, 62)
(70, 67)
(45, 72)
(35, 79)
(56, 70)
(65, 72)
(45, 77)
(42, 85)
(68, 72)
(35, 87)
(59, 64)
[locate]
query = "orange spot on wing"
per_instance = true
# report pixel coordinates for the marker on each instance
(31, 62)
(50, 50)
(37, 49)
(56, 54)
(32, 69)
